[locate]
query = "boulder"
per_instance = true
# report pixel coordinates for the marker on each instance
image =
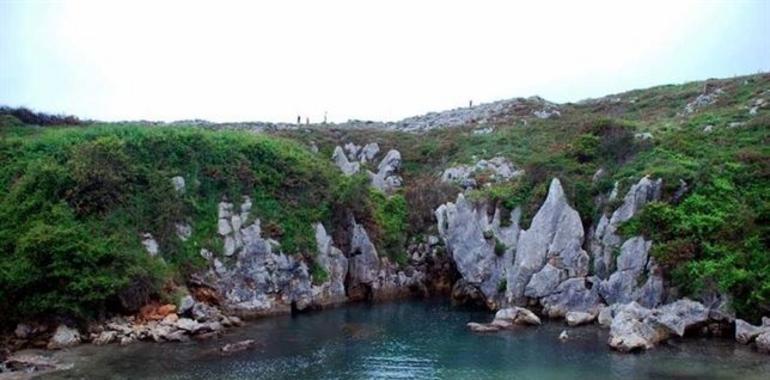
(185, 305)
(517, 315)
(629, 332)
(341, 160)
(481, 327)
(189, 325)
(544, 282)
(578, 294)
(745, 332)
(368, 152)
(577, 318)
(23, 331)
(179, 184)
(497, 169)
(636, 327)
(150, 244)
(64, 337)
(105, 337)
(238, 346)
(183, 231)
(680, 316)
(605, 316)
(763, 342)
(387, 179)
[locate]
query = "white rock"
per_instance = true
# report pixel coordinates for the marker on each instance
(223, 227)
(183, 231)
(64, 337)
(150, 244)
(178, 183)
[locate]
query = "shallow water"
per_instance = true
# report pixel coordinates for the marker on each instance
(406, 340)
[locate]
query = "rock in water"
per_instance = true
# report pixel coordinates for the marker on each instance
(577, 318)
(480, 327)
(64, 337)
(563, 336)
(763, 342)
(238, 346)
(745, 332)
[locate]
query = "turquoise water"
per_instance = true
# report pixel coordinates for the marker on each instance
(411, 340)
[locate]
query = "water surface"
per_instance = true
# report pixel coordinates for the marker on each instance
(412, 339)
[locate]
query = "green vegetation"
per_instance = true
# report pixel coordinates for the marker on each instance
(75, 200)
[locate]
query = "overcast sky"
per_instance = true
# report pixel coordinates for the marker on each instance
(384, 60)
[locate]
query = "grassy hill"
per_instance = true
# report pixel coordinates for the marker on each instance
(75, 200)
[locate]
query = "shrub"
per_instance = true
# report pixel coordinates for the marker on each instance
(101, 173)
(499, 247)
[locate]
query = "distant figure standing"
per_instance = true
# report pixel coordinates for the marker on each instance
(470, 104)
(299, 120)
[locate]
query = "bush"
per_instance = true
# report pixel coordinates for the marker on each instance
(713, 241)
(390, 216)
(499, 248)
(74, 203)
(101, 173)
(28, 116)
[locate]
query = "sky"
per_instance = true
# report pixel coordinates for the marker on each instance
(371, 60)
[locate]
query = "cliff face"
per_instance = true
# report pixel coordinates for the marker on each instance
(546, 263)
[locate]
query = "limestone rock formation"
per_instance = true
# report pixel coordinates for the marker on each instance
(387, 179)
(555, 236)
(604, 241)
(632, 264)
(342, 162)
(470, 237)
(635, 327)
(577, 294)
(497, 169)
(335, 264)
(507, 318)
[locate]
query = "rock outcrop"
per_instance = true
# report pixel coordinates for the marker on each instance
(604, 240)
(633, 265)
(335, 265)
(386, 178)
(635, 327)
(498, 169)
(506, 319)
(341, 160)
(746, 333)
(495, 112)
(554, 237)
(372, 277)
(482, 249)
